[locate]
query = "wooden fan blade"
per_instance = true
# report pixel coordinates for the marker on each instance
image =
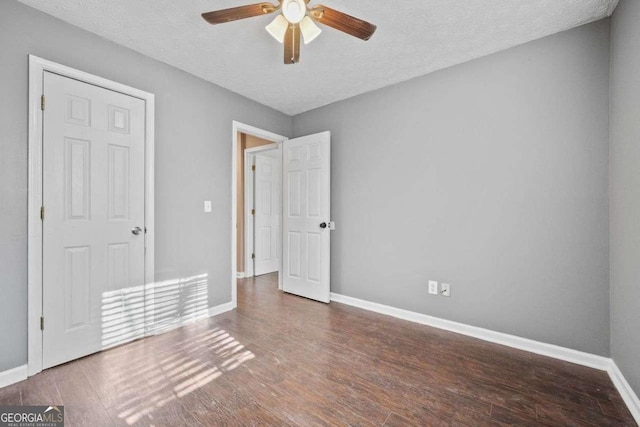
(235, 13)
(292, 44)
(343, 22)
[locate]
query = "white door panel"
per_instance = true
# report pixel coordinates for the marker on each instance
(267, 213)
(307, 197)
(93, 194)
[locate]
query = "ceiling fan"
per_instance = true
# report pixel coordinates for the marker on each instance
(296, 18)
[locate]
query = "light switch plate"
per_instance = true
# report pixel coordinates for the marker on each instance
(207, 206)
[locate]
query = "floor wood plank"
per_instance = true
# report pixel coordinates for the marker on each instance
(283, 360)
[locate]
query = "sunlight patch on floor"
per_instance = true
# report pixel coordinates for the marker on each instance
(164, 378)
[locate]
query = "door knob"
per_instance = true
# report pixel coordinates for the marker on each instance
(136, 230)
(323, 225)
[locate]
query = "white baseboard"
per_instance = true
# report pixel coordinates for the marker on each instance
(557, 352)
(569, 355)
(625, 390)
(13, 376)
(178, 322)
(222, 308)
(240, 274)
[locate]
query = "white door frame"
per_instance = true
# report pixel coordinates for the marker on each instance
(37, 67)
(249, 239)
(260, 133)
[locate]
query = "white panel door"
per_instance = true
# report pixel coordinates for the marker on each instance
(267, 213)
(93, 196)
(306, 204)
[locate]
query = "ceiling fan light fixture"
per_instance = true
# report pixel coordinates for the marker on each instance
(294, 20)
(278, 27)
(309, 30)
(294, 10)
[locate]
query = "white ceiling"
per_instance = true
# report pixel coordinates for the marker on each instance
(414, 37)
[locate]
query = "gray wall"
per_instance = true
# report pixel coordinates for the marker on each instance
(625, 190)
(491, 176)
(193, 158)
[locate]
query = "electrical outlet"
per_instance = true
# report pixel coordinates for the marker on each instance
(445, 290)
(433, 287)
(207, 206)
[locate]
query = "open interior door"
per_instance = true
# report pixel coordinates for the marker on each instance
(306, 217)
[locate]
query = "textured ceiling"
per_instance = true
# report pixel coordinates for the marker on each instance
(414, 37)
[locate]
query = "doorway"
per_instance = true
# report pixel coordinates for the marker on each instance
(305, 214)
(263, 212)
(245, 137)
(259, 206)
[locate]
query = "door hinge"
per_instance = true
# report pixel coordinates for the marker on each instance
(253, 211)
(41, 213)
(42, 323)
(253, 256)
(253, 167)
(42, 102)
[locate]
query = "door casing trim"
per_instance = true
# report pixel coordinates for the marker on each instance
(37, 67)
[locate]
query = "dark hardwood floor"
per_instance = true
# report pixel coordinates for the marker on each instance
(283, 360)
